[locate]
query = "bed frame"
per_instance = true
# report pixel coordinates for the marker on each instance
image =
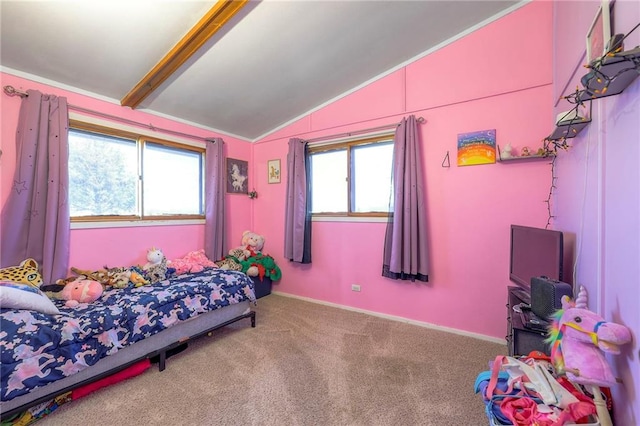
(156, 345)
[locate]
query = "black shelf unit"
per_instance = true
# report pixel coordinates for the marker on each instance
(569, 129)
(520, 339)
(614, 73)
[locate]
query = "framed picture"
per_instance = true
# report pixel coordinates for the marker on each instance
(237, 176)
(477, 148)
(599, 33)
(273, 167)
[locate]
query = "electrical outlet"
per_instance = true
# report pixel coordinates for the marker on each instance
(355, 287)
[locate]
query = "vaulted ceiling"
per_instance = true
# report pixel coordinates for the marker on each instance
(242, 68)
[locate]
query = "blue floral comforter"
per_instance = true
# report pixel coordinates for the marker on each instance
(36, 348)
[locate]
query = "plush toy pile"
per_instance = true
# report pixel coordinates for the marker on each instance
(155, 270)
(248, 258)
(21, 287)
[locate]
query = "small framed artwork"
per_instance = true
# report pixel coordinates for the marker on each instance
(599, 33)
(237, 176)
(274, 171)
(477, 148)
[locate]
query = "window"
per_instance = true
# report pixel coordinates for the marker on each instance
(352, 178)
(119, 175)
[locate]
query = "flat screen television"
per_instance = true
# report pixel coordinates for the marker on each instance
(535, 252)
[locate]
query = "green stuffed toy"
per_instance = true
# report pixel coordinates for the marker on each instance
(261, 265)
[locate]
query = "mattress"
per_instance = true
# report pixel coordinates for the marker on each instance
(122, 327)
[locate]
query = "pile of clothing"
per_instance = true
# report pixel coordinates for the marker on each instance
(527, 391)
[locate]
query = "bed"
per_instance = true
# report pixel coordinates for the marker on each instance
(44, 355)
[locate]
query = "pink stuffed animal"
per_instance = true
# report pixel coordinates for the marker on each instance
(80, 291)
(194, 261)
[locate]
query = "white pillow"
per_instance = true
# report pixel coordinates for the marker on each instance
(24, 296)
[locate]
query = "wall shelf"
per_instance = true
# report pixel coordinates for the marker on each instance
(569, 129)
(611, 76)
(516, 158)
(525, 158)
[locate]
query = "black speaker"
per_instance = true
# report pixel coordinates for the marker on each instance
(525, 341)
(546, 295)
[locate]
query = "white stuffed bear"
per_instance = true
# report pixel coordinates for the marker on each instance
(252, 243)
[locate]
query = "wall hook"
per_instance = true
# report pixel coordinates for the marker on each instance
(446, 162)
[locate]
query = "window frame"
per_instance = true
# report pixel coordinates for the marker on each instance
(140, 140)
(348, 144)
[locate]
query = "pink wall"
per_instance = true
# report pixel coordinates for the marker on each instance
(93, 248)
(501, 76)
(598, 191)
(483, 81)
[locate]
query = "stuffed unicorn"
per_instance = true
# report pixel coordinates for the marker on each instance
(578, 338)
(156, 268)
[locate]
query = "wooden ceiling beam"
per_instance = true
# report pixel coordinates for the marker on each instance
(210, 24)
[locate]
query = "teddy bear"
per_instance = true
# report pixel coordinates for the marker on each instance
(251, 243)
(239, 258)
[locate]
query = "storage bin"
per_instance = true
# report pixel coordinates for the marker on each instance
(262, 286)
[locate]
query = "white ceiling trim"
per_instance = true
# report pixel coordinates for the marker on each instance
(62, 86)
(57, 84)
(199, 126)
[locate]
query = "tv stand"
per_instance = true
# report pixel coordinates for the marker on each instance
(520, 339)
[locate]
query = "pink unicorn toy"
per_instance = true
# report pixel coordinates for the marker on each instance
(578, 338)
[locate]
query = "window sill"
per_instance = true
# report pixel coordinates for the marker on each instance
(135, 223)
(371, 219)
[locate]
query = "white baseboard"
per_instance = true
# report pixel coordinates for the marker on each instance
(396, 318)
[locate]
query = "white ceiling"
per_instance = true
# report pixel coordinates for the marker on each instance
(271, 64)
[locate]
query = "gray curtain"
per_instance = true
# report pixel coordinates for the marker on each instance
(405, 246)
(35, 218)
(297, 227)
(214, 228)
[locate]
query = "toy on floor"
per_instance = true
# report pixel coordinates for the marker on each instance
(578, 338)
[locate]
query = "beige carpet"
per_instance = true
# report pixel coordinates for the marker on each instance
(304, 364)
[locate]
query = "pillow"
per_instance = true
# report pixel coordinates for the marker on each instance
(24, 296)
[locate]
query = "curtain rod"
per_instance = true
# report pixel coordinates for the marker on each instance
(357, 132)
(11, 91)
